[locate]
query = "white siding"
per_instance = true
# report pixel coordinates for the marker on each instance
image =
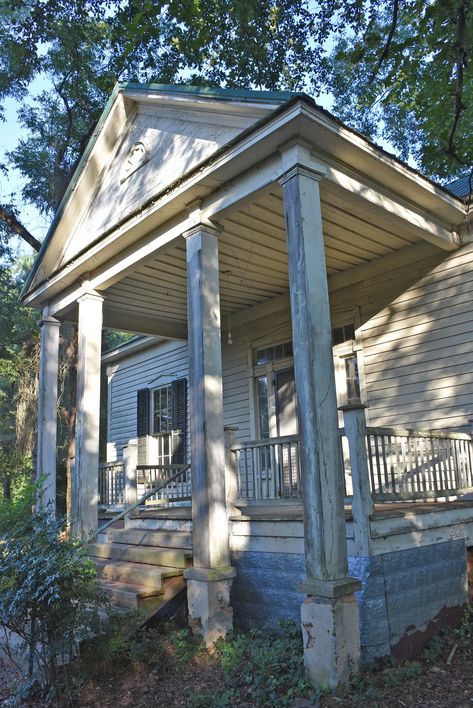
(144, 369)
(418, 351)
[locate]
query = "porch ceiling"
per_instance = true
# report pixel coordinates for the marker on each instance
(253, 258)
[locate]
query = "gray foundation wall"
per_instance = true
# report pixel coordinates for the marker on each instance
(404, 598)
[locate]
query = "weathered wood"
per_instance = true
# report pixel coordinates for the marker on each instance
(47, 411)
(362, 502)
(408, 433)
(209, 514)
(323, 478)
(84, 502)
(130, 462)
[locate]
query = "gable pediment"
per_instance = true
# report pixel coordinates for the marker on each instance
(159, 147)
(147, 142)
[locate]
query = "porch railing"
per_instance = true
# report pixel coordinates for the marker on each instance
(111, 484)
(177, 492)
(167, 480)
(402, 465)
(268, 469)
(408, 464)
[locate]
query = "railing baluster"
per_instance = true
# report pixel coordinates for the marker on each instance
(469, 463)
(369, 440)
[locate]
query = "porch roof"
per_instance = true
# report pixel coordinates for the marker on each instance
(373, 206)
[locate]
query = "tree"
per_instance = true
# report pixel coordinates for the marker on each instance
(405, 76)
(397, 70)
(18, 385)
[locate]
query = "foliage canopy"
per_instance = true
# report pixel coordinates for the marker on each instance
(397, 70)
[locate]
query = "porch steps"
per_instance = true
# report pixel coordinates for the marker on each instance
(151, 555)
(142, 570)
(150, 576)
(143, 537)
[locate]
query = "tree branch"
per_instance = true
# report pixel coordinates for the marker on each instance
(387, 46)
(10, 220)
(460, 64)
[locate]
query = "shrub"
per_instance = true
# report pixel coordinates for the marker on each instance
(49, 596)
(263, 668)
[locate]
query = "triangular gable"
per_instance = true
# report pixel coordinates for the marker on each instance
(149, 137)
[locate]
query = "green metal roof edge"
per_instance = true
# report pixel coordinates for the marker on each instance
(213, 92)
(70, 188)
(209, 92)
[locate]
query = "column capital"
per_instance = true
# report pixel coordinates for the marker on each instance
(302, 170)
(90, 295)
(297, 158)
(49, 321)
(202, 228)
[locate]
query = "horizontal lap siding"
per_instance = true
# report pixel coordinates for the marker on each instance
(141, 371)
(418, 350)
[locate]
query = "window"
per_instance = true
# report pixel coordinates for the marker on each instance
(161, 410)
(352, 378)
(275, 395)
(343, 334)
(162, 418)
(263, 408)
(274, 353)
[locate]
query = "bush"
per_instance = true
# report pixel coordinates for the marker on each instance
(49, 596)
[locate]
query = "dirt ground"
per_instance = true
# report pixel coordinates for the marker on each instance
(428, 682)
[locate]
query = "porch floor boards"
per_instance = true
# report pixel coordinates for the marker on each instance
(293, 511)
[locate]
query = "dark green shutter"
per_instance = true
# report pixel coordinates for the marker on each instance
(179, 421)
(142, 412)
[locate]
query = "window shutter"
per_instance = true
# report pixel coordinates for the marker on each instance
(142, 412)
(179, 421)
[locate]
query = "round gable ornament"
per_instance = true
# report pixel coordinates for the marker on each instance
(138, 155)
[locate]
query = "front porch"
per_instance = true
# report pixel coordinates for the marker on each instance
(247, 268)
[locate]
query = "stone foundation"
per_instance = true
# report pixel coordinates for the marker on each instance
(405, 595)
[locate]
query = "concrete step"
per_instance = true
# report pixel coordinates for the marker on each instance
(133, 597)
(135, 573)
(143, 537)
(174, 558)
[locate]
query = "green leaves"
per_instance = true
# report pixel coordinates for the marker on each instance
(415, 97)
(49, 596)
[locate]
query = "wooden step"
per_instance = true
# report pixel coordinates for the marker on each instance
(174, 558)
(143, 537)
(135, 573)
(152, 608)
(127, 595)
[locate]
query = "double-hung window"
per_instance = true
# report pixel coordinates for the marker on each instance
(162, 420)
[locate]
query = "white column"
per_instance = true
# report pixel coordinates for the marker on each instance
(47, 411)
(210, 579)
(330, 611)
(84, 503)
(323, 479)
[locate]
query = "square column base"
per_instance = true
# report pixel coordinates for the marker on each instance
(208, 600)
(331, 636)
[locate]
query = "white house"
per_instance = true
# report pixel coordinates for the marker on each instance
(280, 266)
